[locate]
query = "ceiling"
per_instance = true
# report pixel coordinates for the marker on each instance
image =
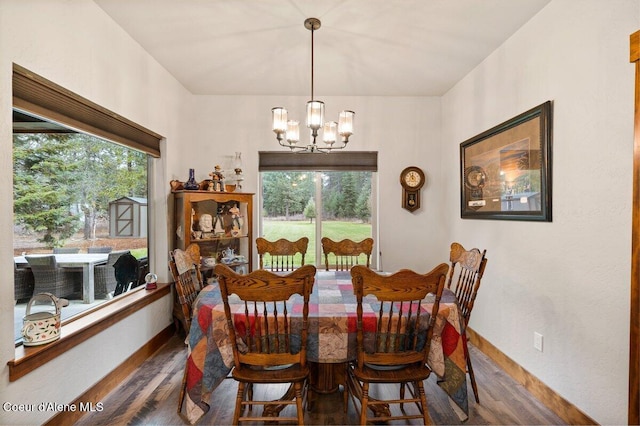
(363, 48)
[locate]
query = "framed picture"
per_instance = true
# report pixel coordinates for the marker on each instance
(505, 172)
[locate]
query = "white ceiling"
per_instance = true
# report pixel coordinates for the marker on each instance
(364, 47)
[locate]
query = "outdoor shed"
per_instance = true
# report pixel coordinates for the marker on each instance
(128, 217)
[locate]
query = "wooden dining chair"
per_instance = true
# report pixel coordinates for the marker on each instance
(268, 341)
(393, 343)
(281, 253)
(465, 274)
(181, 265)
(193, 250)
(346, 252)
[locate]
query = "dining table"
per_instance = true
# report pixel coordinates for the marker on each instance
(331, 343)
(81, 261)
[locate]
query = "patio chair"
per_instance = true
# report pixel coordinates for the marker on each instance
(99, 249)
(126, 271)
(66, 250)
(51, 278)
(105, 275)
(23, 283)
(281, 252)
(393, 343)
(467, 268)
(268, 340)
(143, 270)
(346, 252)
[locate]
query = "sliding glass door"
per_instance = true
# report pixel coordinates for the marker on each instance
(314, 204)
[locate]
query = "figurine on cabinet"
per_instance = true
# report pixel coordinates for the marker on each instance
(236, 224)
(206, 225)
(217, 180)
(218, 222)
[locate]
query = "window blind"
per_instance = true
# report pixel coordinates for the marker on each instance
(335, 161)
(39, 96)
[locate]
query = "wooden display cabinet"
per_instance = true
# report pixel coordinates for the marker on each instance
(231, 225)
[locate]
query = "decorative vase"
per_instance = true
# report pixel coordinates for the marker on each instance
(191, 184)
(237, 164)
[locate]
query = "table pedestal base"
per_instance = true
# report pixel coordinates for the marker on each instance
(326, 378)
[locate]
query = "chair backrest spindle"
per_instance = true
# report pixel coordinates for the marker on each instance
(267, 338)
(399, 323)
(347, 252)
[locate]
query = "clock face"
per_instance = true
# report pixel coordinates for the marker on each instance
(412, 178)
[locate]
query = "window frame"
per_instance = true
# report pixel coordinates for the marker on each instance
(346, 161)
(38, 96)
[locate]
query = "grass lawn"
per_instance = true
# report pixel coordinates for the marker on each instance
(293, 230)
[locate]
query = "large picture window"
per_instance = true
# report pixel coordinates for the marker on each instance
(80, 185)
(74, 195)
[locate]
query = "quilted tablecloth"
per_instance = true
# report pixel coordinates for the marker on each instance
(331, 339)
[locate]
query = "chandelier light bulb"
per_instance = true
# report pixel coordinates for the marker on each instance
(315, 114)
(293, 132)
(279, 119)
(329, 132)
(345, 123)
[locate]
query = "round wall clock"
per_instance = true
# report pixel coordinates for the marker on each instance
(412, 180)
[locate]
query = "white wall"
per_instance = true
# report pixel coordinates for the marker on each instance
(404, 130)
(569, 279)
(76, 45)
(540, 277)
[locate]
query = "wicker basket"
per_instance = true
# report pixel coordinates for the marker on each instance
(41, 327)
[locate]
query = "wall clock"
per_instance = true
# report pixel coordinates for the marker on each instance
(412, 179)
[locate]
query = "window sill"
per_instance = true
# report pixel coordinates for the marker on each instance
(77, 331)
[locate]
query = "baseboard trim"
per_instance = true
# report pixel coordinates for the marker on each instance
(100, 390)
(556, 403)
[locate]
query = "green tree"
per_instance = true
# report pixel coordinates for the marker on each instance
(107, 171)
(44, 178)
(57, 177)
(285, 193)
(363, 206)
(310, 210)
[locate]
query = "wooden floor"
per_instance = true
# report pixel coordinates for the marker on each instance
(150, 396)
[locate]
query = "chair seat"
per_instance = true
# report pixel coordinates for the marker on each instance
(376, 374)
(293, 373)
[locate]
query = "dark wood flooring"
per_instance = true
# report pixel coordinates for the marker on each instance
(150, 396)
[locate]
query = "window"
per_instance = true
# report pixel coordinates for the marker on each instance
(80, 181)
(300, 200)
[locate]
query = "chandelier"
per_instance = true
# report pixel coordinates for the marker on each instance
(288, 131)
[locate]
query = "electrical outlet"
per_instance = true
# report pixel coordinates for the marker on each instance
(537, 341)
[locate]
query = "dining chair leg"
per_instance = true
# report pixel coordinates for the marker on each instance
(345, 398)
(473, 379)
(402, 385)
(364, 402)
(239, 407)
(183, 389)
(298, 392)
(423, 402)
